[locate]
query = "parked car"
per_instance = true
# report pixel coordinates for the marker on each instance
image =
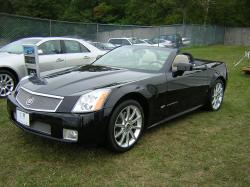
(54, 53)
(161, 42)
(176, 39)
(170, 40)
(154, 44)
(127, 41)
(103, 46)
(186, 41)
(116, 98)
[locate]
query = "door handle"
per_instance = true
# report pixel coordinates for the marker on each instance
(86, 57)
(59, 60)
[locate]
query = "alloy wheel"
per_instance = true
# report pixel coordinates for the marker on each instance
(217, 97)
(128, 126)
(7, 84)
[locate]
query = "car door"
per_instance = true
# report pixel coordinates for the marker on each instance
(50, 55)
(77, 54)
(186, 91)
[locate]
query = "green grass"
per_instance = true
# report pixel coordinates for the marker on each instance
(199, 149)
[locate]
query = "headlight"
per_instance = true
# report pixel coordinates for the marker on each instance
(91, 101)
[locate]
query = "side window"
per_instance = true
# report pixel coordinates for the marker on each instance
(115, 41)
(50, 47)
(84, 49)
(125, 42)
(72, 46)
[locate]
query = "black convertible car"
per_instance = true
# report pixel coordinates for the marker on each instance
(124, 92)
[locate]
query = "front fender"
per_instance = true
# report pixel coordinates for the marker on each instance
(120, 92)
(17, 65)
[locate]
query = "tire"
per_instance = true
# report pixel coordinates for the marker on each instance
(7, 83)
(216, 95)
(124, 130)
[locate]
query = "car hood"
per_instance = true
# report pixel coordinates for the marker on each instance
(8, 57)
(5, 54)
(79, 80)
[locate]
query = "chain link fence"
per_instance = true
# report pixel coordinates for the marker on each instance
(14, 27)
(237, 36)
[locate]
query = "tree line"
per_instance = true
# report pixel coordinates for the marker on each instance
(139, 12)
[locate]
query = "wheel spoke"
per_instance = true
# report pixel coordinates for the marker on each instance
(8, 81)
(127, 112)
(122, 116)
(132, 115)
(135, 120)
(135, 127)
(7, 89)
(5, 78)
(218, 88)
(122, 139)
(214, 100)
(119, 133)
(119, 125)
(132, 134)
(127, 139)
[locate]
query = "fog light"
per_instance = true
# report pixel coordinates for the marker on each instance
(70, 134)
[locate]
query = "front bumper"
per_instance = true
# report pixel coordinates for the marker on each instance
(90, 126)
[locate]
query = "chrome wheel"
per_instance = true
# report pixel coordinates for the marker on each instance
(128, 126)
(7, 84)
(217, 96)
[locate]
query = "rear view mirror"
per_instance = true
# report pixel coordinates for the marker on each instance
(184, 67)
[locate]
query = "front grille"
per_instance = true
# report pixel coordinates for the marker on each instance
(37, 101)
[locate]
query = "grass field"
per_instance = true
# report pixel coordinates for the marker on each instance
(200, 149)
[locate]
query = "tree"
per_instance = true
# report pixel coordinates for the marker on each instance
(147, 12)
(6, 6)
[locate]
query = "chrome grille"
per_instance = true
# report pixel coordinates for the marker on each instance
(38, 101)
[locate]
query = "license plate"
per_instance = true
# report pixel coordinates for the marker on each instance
(23, 118)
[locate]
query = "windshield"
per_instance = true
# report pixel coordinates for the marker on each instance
(157, 41)
(109, 45)
(136, 41)
(16, 47)
(148, 41)
(138, 58)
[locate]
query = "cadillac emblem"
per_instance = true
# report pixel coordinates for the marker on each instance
(29, 101)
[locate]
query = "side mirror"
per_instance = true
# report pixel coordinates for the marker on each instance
(184, 67)
(40, 51)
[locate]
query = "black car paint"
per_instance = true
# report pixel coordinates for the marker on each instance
(87, 124)
(162, 95)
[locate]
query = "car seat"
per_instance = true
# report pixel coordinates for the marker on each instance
(179, 59)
